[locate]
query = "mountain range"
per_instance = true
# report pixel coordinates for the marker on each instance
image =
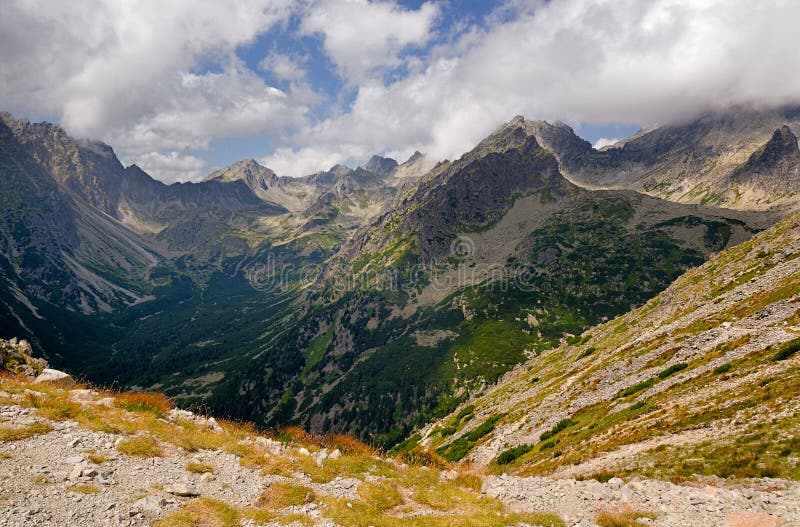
(373, 300)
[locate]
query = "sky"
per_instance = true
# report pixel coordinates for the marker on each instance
(186, 86)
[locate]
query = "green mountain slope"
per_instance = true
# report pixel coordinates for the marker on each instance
(702, 379)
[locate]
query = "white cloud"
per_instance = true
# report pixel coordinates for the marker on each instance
(285, 67)
(129, 72)
(589, 61)
(603, 142)
(125, 72)
(360, 36)
(309, 160)
(173, 166)
(234, 102)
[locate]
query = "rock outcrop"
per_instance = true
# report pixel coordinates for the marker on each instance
(16, 356)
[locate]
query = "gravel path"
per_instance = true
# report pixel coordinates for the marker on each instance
(772, 502)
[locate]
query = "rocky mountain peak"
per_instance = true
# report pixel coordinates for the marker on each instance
(506, 137)
(340, 170)
(775, 166)
(416, 156)
(383, 166)
(244, 169)
(783, 142)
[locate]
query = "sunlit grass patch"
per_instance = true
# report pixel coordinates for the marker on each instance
(423, 457)
(41, 479)
(189, 436)
(348, 465)
(56, 407)
(469, 481)
(282, 495)
(140, 446)
(380, 495)
(349, 445)
(296, 435)
(152, 402)
(361, 514)
(18, 434)
(96, 457)
(450, 496)
(202, 512)
(110, 421)
(200, 468)
(84, 488)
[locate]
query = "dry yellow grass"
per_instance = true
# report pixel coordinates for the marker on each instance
(380, 495)
(282, 495)
(202, 512)
(140, 446)
(349, 445)
(84, 488)
(96, 458)
(41, 479)
(152, 402)
(200, 468)
(18, 434)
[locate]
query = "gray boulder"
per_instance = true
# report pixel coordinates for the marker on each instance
(55, 377)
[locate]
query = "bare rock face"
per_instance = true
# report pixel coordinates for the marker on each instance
(775, 167)
(55, 377)
(16, 357)
(381, 165)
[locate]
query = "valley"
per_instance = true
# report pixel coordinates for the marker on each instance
(367, 301)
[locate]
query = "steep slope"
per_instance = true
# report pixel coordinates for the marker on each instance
(91, 173)
(100, 261)
(773, 170)
(470, 193)
(703, 379)
(59, 250)
(689, 162)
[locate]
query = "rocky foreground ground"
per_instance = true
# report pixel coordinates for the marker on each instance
(81, 464)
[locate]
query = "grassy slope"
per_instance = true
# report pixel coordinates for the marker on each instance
(687, 384)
